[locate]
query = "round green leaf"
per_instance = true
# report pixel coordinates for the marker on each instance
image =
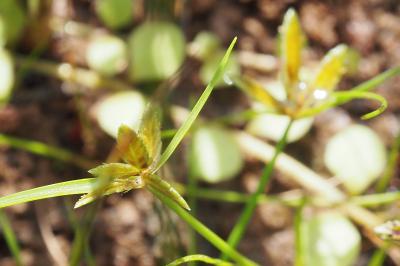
(272, 126)
(125, 107)
(210, 66)
(157, 50)
(214, 154)
(115, 14)
(356, 156)
(106, 54)
(13, 19)
(6, 74)
(205, 44)
(330, 239)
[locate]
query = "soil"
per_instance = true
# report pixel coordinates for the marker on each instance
(133, 228)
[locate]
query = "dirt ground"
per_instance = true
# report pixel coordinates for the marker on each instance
(133, 228)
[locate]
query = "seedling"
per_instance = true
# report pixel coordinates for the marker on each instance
(140, 152)
(309, 94)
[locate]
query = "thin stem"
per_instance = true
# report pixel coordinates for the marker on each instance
(244, 219)
(45, 150)
(10, 238)
(298, 219)
(192, 188)
(204, 231)
(383, 182)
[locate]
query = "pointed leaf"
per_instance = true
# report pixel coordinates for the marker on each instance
(132, 148)
(163, 187)
(292, 40)
(74, 187)
(199, 257)
(256, 91)
(150, 133)
(114, 170)
(331, 69)
(180, 134)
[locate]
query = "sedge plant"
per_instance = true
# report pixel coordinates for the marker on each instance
(305, 95)
(141, 154)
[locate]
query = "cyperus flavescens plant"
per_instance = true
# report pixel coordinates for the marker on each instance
(141, 152)
(307, 92)
(303, 95)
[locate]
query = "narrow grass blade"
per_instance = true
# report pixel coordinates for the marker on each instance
(204, 231)
(299, 246)
(377, 80)
(388, 174)
(45, 150)
(180, 134)
(199, 257)
(10, 238)
(74, 187)
(342, 97)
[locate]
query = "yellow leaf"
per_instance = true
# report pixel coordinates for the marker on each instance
(132, 148)
(150, 133)
(292, 40)
(162, 186)
(257, 92)
(331, 69)
(114, 170)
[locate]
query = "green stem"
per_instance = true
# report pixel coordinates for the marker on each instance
(45, 150)
(383, 182)
(199, 257)
(192, 188)
(214, 239)
(373, 200)
(10, 238)
(244, 219)
(298, 219)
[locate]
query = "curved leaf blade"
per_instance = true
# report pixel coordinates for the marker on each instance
(73, 187)
(180, 134)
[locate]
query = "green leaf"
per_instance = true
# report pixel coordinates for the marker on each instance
(342, 97)
(13, 18)
(10, 238)
(180, 134)
(106, 54)
(199, 257)
(214, 155)
(7, 75)
(330, 239)
(163, 187)
(126, 107)
(356, 156)
(73, 187)
(114, 170)
(157, 50)
(272, 126)
(210, 65)
(115, 14)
